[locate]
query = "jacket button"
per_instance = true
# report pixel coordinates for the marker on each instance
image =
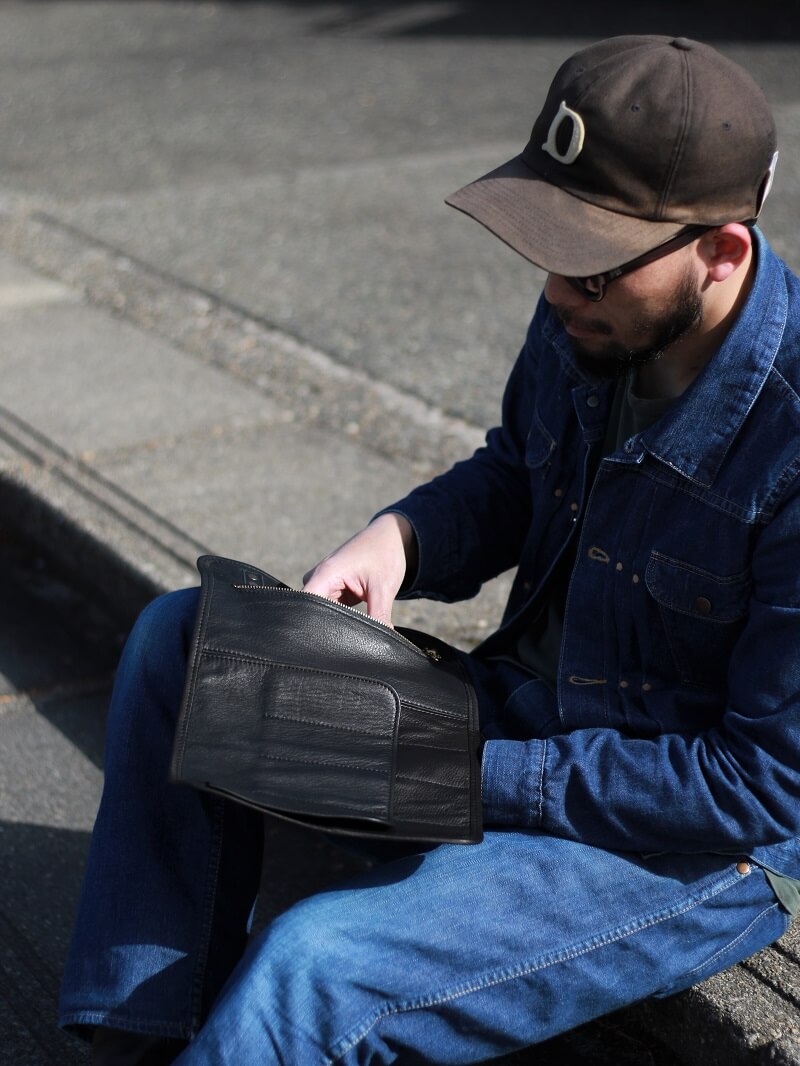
(558, 493)
(592, 400)
(702, 605)
(743, 867)
(646, 687)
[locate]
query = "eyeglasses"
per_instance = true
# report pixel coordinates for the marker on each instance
(594, 288)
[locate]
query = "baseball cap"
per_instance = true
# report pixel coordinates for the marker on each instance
(639, 137)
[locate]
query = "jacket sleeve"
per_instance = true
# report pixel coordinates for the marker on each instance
(731, 788)
(471, 522)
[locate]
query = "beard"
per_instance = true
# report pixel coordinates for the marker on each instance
(614, 359)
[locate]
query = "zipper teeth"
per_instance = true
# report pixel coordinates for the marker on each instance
(335, 603)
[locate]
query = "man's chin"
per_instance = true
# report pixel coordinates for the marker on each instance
(606, 360)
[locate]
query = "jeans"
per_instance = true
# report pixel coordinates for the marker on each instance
(450, 955)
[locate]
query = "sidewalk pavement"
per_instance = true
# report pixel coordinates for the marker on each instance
(115, 441)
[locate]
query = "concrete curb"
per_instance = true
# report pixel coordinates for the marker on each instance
(342, 398)
(105, 541)
(745, 1016)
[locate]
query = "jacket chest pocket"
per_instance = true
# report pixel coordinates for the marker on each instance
(539, 447)
(552, 469)
(702, 614)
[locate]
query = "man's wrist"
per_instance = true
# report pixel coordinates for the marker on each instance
(408, 538)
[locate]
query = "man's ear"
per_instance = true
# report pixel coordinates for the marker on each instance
(725, 249)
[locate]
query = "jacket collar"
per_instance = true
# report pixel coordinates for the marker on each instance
(694, 436)
(696, 433)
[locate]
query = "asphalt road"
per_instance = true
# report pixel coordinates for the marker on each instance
(293, 157)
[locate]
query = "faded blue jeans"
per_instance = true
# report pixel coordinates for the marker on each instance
(451, 955)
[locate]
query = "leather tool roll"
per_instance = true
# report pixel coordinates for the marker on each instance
(310, 710)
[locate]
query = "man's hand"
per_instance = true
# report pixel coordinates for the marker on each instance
(369, 568)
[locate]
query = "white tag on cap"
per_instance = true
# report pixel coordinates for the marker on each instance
(766, 184)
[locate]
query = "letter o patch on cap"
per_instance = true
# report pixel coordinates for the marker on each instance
(575, 146)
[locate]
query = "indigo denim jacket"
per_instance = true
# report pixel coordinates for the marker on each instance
(679, 675)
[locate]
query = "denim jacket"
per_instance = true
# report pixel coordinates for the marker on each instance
(679, 675)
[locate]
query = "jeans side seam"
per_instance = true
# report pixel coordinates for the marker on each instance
(498, 977)
(201, 957)
(144, 1025)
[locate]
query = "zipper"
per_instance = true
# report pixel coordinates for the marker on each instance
(430, 653)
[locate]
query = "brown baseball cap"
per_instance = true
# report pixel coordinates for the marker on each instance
(639, 137)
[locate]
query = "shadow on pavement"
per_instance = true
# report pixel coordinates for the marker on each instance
(713, 20)
(728, 20)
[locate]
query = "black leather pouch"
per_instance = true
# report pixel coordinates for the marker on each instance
(315, 712)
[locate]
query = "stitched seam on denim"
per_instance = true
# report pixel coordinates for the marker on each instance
(113, 1020)
(733, 943)
(787, 386)
(741, 578)
(522, 970)
(707, 619)
(782, 485)
(200, 960)
(723, 583)
(688, 487)
(673, 650)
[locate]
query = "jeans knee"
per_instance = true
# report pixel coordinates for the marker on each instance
(152, 669)
(305, 949)
(167, 618)
(161, 635)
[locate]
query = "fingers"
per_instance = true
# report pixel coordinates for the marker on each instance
(370, 567)
(328, 581)
(379, 605)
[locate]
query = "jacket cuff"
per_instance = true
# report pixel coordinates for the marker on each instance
(511, 782)
(416, 583)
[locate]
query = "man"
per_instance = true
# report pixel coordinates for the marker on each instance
(639, 704)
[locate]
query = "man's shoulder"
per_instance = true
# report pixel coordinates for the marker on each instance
(785, 315)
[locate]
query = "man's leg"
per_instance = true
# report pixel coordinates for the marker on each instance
(465, 952)
(172, 874)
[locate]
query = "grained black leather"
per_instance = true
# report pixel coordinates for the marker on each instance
(313, 711)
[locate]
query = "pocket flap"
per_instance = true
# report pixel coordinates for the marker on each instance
(692, 591)
(539, 446)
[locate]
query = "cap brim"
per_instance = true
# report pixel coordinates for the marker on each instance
(557, 231)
